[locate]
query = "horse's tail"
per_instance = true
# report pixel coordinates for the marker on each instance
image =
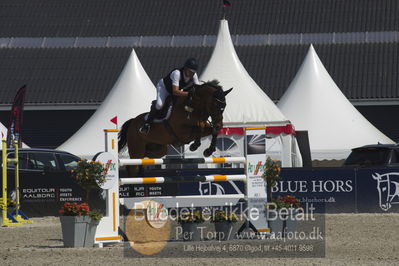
(122, 136)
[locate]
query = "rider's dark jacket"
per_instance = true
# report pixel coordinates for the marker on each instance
(168, 81)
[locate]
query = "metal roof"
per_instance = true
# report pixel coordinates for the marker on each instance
(60, 76)
(84, 76)
(71, 18)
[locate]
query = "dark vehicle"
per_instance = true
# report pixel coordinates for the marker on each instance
(45, 180)
(377, 155)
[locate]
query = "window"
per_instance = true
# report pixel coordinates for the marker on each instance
(45, 161)
(395, 157)
(69, 161)
(22, 160)
(11, 164)
(25, 163)
(368, 157)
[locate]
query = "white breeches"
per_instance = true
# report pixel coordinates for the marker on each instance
(162, 93)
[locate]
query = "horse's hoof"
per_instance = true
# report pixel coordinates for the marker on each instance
(208, 152)
(193, 147)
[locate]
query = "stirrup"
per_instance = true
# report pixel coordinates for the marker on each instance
(144, 129)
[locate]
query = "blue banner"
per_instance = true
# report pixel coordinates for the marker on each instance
(333, 188)
(343, 190)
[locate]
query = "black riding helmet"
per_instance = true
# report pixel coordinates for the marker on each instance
(191, 64)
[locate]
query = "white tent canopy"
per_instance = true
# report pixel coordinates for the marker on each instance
(313, 102)
(3, 131)
(131, 95)
(247, 104)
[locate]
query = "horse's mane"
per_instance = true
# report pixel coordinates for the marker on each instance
(218, 90)
(213, 83)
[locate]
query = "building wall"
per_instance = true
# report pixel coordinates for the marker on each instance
(383, 117)
(49, 129)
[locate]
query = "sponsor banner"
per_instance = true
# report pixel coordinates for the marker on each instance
(341, 190)
(336, 188)
(62, 194)
(109, 163)
(377, 190)
(182, 189)
(186, 188)
(211, 188)
(148, 190)
(256, 185)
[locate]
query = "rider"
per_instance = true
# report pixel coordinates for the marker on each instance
(172, 84)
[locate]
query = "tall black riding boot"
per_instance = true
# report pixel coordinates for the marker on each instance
(145, 128)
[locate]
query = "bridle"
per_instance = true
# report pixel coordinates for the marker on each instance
(218, 96)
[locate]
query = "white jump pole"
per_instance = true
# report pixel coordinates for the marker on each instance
(123, 162)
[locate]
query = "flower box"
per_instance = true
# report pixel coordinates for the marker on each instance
(189, 222)
(74, 230)
(281, 215)
(224, 224)
(224, 230)
(78, 224)
(191, 232)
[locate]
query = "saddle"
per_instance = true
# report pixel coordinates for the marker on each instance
(165, 112)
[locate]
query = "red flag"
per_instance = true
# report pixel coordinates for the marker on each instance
(226, 3)
(115, 120)
(14, 130)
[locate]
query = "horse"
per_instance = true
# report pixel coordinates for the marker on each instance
(187, 122)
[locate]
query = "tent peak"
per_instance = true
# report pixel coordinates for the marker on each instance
(313, 102)
(247, 102)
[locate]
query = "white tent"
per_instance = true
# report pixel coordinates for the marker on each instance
(3, 131)
(313, 102)
(131, 95)
(247, 104)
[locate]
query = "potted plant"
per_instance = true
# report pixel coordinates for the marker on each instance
(281, 214)
(78, 223)
(293, 205)
(224, 224)
(74, 218)
(271, 175)
(89, 175)
(95, 217)
(189, 221)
